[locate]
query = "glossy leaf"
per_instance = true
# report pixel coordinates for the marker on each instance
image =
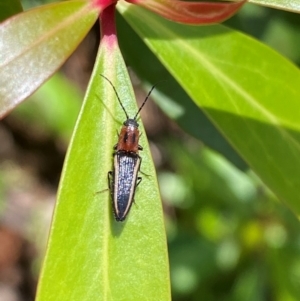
(290, 5)
(248, 90)
(191, 12)
(90, 256)
(9, 8)
(34, 44)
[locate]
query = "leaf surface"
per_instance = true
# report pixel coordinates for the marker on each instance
(34, 44)
(191, 12)
(90, 256)
(249, 91)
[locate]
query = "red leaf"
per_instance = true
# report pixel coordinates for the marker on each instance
(191, 12)
(35, 43)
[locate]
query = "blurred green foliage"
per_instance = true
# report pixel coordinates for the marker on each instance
(32, 3)
(53, 108)
(229, 237)
(276, 28)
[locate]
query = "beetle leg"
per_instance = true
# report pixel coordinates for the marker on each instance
(109, 179)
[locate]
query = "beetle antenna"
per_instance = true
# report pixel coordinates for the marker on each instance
(117, 95)
(144, 102)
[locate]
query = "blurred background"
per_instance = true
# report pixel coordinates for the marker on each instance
(229, 237)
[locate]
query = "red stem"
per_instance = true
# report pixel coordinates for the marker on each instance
(108, 25)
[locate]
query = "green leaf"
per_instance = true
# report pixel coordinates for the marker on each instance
(248, 90)
(90, 256)
(290, 5)
(34, 44)
(9, 8)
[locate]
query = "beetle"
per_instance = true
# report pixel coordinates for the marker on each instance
(123, 179)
